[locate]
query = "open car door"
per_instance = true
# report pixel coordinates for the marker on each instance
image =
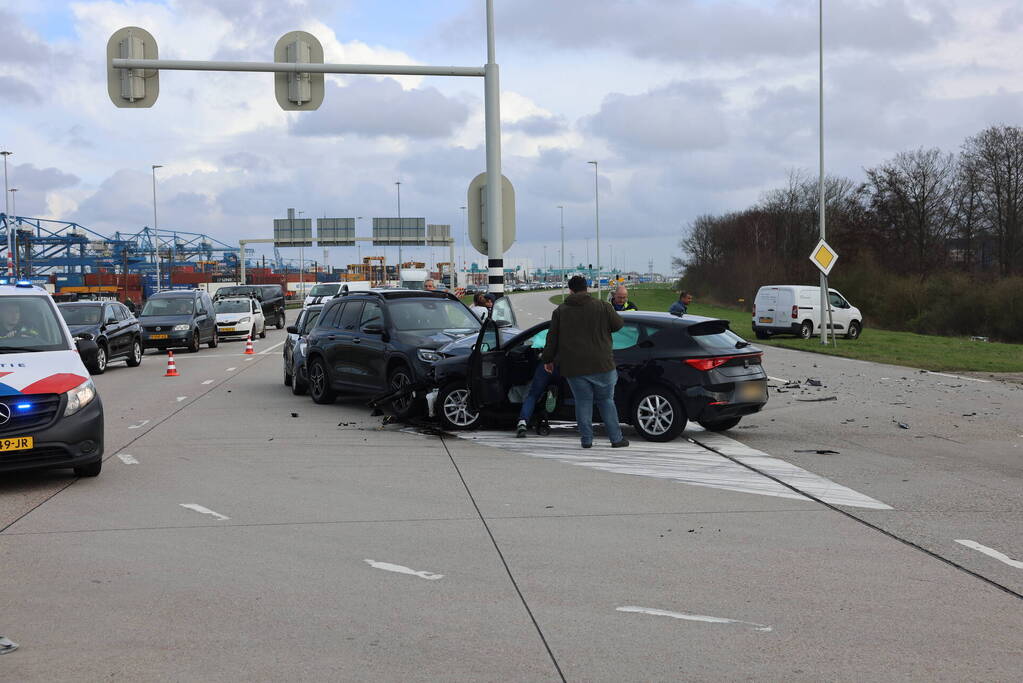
(487, 367)
(502, 313)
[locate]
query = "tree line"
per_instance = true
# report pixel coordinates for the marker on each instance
(929, 241)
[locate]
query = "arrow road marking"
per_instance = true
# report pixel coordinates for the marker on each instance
(140, 425)
(209, 381)
(195, 507)
(388, 567)
(990, 552)
(128, 459)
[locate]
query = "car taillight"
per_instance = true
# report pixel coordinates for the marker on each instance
(705, 364)
(795, 312)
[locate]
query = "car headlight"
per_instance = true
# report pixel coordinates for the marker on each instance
(243, 321)
(79, 397)
(429, 355)
(182, 328)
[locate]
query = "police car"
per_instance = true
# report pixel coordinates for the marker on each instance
(50, 413)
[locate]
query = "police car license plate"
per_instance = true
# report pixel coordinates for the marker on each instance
(16, 443)
(157, 336)
(766, 319)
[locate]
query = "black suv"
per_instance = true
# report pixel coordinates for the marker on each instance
(369, 343)
(111, 325)
(270, 297)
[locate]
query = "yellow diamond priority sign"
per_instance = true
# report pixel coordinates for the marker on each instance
(824, 257)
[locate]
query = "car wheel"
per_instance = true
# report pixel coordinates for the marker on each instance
(90, 470)
(401, 379)
(262, 332)
(287, 375)
(214, 340)
(135, 357)
(761, 334)
(454, 411)
(657, 415)
(720, 425)
(299, 385)
(193, 345)
(280, 320)
(99, 366)
(853, 331)
(806, 329)
(252, 332)
(319, 383)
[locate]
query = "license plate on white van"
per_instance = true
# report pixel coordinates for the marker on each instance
(766, 319)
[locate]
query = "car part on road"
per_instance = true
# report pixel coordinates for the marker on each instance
(7, 645)
(817, 400)
(818, 451)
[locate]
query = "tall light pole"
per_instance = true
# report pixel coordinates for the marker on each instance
(465, 266)
(398, 185)
(14, 211)
(596, 202)
(301, 262)
(820, 190)
(562, 274)
(7, 211)
(156, 231)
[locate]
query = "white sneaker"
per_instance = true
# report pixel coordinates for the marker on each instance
(520, 429)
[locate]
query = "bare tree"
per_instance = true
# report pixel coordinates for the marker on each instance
(996, 154)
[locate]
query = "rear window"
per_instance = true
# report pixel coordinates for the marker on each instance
(715, 336)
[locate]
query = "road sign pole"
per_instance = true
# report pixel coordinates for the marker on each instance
(492, 114)
(825, 309)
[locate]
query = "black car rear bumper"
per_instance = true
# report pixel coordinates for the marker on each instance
(69, 442)
(708, 405)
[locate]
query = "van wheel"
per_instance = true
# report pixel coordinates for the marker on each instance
(262, 332)
(760, 334)
(280, 320)
(854, 331)
(658, 416)
(193, 344)
(720, 425)
(319, 383)
(214, 340)
(90, 470)
(135, 357)
(287, 375)
(806, 329)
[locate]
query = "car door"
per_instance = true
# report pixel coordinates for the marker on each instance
(292, 339)
(127, 327)
(203, 318)
(502, 312)
(368, 349)
(488, 368)
(839, 311)
(258, 321)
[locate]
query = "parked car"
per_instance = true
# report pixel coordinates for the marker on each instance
(175, 318)
(111, 325)
(670, 370)
(270, 298)
(795, 309)
(295, 348)
(367, 343)
(239, 317)
(51, 414)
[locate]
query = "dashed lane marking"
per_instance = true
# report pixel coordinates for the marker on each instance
(692, 617)
(990, 552)
(970, 379)
(397, 568)
(140, 425)
(181, 398)
(128, 459)
(209, 381)
(195, 507)
(231, 369)
(268, 350)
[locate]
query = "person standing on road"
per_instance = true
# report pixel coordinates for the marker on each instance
(620, 300)
(580, 341)
(681, 307)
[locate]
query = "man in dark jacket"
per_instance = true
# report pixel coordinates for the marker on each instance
(580, 341)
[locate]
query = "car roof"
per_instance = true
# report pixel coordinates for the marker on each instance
(175, 293)
(390, 294)
(85, 302)
(22, 290)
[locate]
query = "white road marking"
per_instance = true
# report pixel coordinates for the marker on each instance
(778, 379)
(181, 398)
(195, 507)
(388, 567)
(209, 381)
(140, 425)
(128, 459)
(271, 348)
(971, 379)
(684, 461)
(990, 552)
(231, 369)
(692, 617)
(249, 358)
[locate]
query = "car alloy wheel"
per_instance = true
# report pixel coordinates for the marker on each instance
(455, 410)
(135, 359)
(193, 346)
(400, 381)
(658, 416)
(101, 361)
(319, 383)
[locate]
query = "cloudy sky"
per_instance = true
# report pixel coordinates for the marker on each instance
(691, 106)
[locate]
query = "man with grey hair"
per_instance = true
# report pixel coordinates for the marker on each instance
(620, 300)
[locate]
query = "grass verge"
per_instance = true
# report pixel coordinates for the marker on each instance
(927, 352)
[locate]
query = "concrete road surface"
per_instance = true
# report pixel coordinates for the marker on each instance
(240, 533)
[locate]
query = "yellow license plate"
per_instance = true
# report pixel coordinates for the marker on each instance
(767, 320)
(16, 443)
(157, 336)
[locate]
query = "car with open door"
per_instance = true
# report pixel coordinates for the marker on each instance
(670, 371)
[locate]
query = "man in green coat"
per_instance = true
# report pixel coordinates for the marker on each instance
(579, 340)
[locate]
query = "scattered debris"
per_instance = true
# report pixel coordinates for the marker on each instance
(345, 424)
(294, 414)
(814, 382)
(969, 414)
(7, 645)
(817, 400)
(902, 425)
(979, 339)
(749, 427)
(548, 507)
(818, 451)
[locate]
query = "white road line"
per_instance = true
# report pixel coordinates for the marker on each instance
(778, 379)
(195, 507)
(249, 358)
(990, 552)
(231, 369)
(388, 567)
(181, 398)
(140, 425)
(268, 350)
(970, 379)
(209, 381)
(128, 459)
(692, 617)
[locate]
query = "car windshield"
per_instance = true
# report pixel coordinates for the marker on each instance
(81, 315)
(432, 314)
(233, 306)
(29, 323)
(170, 306)
(324, 290)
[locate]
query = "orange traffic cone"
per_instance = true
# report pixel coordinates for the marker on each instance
(172, 370)
(248, 346)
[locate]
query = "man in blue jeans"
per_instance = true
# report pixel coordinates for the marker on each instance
(580, 341)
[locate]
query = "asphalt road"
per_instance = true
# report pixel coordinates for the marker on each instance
(238, 532)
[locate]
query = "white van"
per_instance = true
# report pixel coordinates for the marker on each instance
(795, 309)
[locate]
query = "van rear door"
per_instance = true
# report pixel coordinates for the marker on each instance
(765, 305)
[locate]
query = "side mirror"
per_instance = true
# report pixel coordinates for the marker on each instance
(83, 336)
(373, 328)
(292, 329)
(88, 350)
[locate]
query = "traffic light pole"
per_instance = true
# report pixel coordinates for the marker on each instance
(492, 112)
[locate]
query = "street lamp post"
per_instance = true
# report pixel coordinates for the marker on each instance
(398, 185)
(14, 210)
(465, 266)
(301, 262)
(596, 201)
(7, 211)
(562, 274)
(156, 231)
